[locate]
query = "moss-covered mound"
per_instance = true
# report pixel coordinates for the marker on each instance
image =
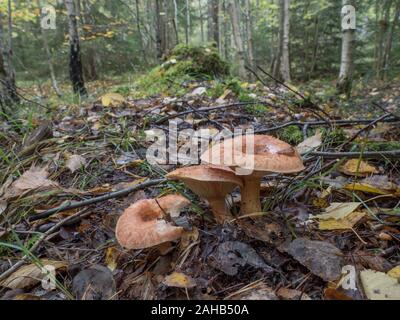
(185, 64)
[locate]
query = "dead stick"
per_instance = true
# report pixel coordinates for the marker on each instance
(366, 155)
(112, 195)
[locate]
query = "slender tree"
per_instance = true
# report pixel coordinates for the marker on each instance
(49, 58)
(344, 84)
(75, 62)
(282, 63)
(237, 37)
(213, 21)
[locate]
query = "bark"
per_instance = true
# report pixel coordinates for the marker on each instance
(389, 41)
(249, 27)
(237, 37)
(75, 62)
(139, 29)
(213, 21)
(161, 39)
(383, 28)
(176, 21)
(188, 26)
(347, 60)
(201, 21)
(8, 90)
(282, 62)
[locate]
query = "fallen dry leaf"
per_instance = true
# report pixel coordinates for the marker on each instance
(357, 168)
(179, 280)
(30, 275)
(75, 162)
(33, 179)
(321, 258)
(112, 255)
(380, 286)
(338, 210)
(347, 222)
(310, 144)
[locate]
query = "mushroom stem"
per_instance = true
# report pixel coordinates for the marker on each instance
(220, 210)
(251, 195)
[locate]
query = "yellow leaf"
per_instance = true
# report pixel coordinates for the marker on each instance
(380, 286)
(356, 167)
(342, 224)
(395, 273)
(365, 188)
(112, 99)
(111, 258)
(338, 210)
(179, 280)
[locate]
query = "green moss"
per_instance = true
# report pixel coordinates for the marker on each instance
(377, 146)
(186, 64)
(334, 137)
(257, 110)
(292, 135)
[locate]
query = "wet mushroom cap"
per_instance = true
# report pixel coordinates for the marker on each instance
(268, 155)
(142, 225)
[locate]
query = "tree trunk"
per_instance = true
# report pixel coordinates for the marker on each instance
(139, 29)
(201, 21)
(8, 90)
(188, 27)
(53, 79)
(347, 61)
(249, 27)
(282, 63)
(389, 41)
(237, 37)
(161, 40)
(213, 21)
(383, 28)
(75, 62)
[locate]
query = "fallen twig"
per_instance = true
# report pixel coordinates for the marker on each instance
(42, 237)
(79, 204)
(365, 155)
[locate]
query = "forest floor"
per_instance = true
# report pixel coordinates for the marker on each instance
(59, 152)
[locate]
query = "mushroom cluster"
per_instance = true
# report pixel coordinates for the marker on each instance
(238, 162)
(241, 161)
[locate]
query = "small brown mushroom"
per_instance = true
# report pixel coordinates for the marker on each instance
(142, 225)
(254, 156)
(212, 183)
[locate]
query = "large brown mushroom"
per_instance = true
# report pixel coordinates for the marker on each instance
(142, 225)
(252, 157)
(212, 183)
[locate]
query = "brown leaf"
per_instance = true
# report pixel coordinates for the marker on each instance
(179, 280)
(321, 258)
(33, 179)
(290, 294)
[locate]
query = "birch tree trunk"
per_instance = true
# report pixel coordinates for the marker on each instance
(188, 26)
(75, 62)
(285, 62)
(237, 37)
(347, 60)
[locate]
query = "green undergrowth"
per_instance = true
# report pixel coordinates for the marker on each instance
(186, 64)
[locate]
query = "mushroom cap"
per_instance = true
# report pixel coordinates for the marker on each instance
(208, 181)
(269, 155)
(142, 225)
